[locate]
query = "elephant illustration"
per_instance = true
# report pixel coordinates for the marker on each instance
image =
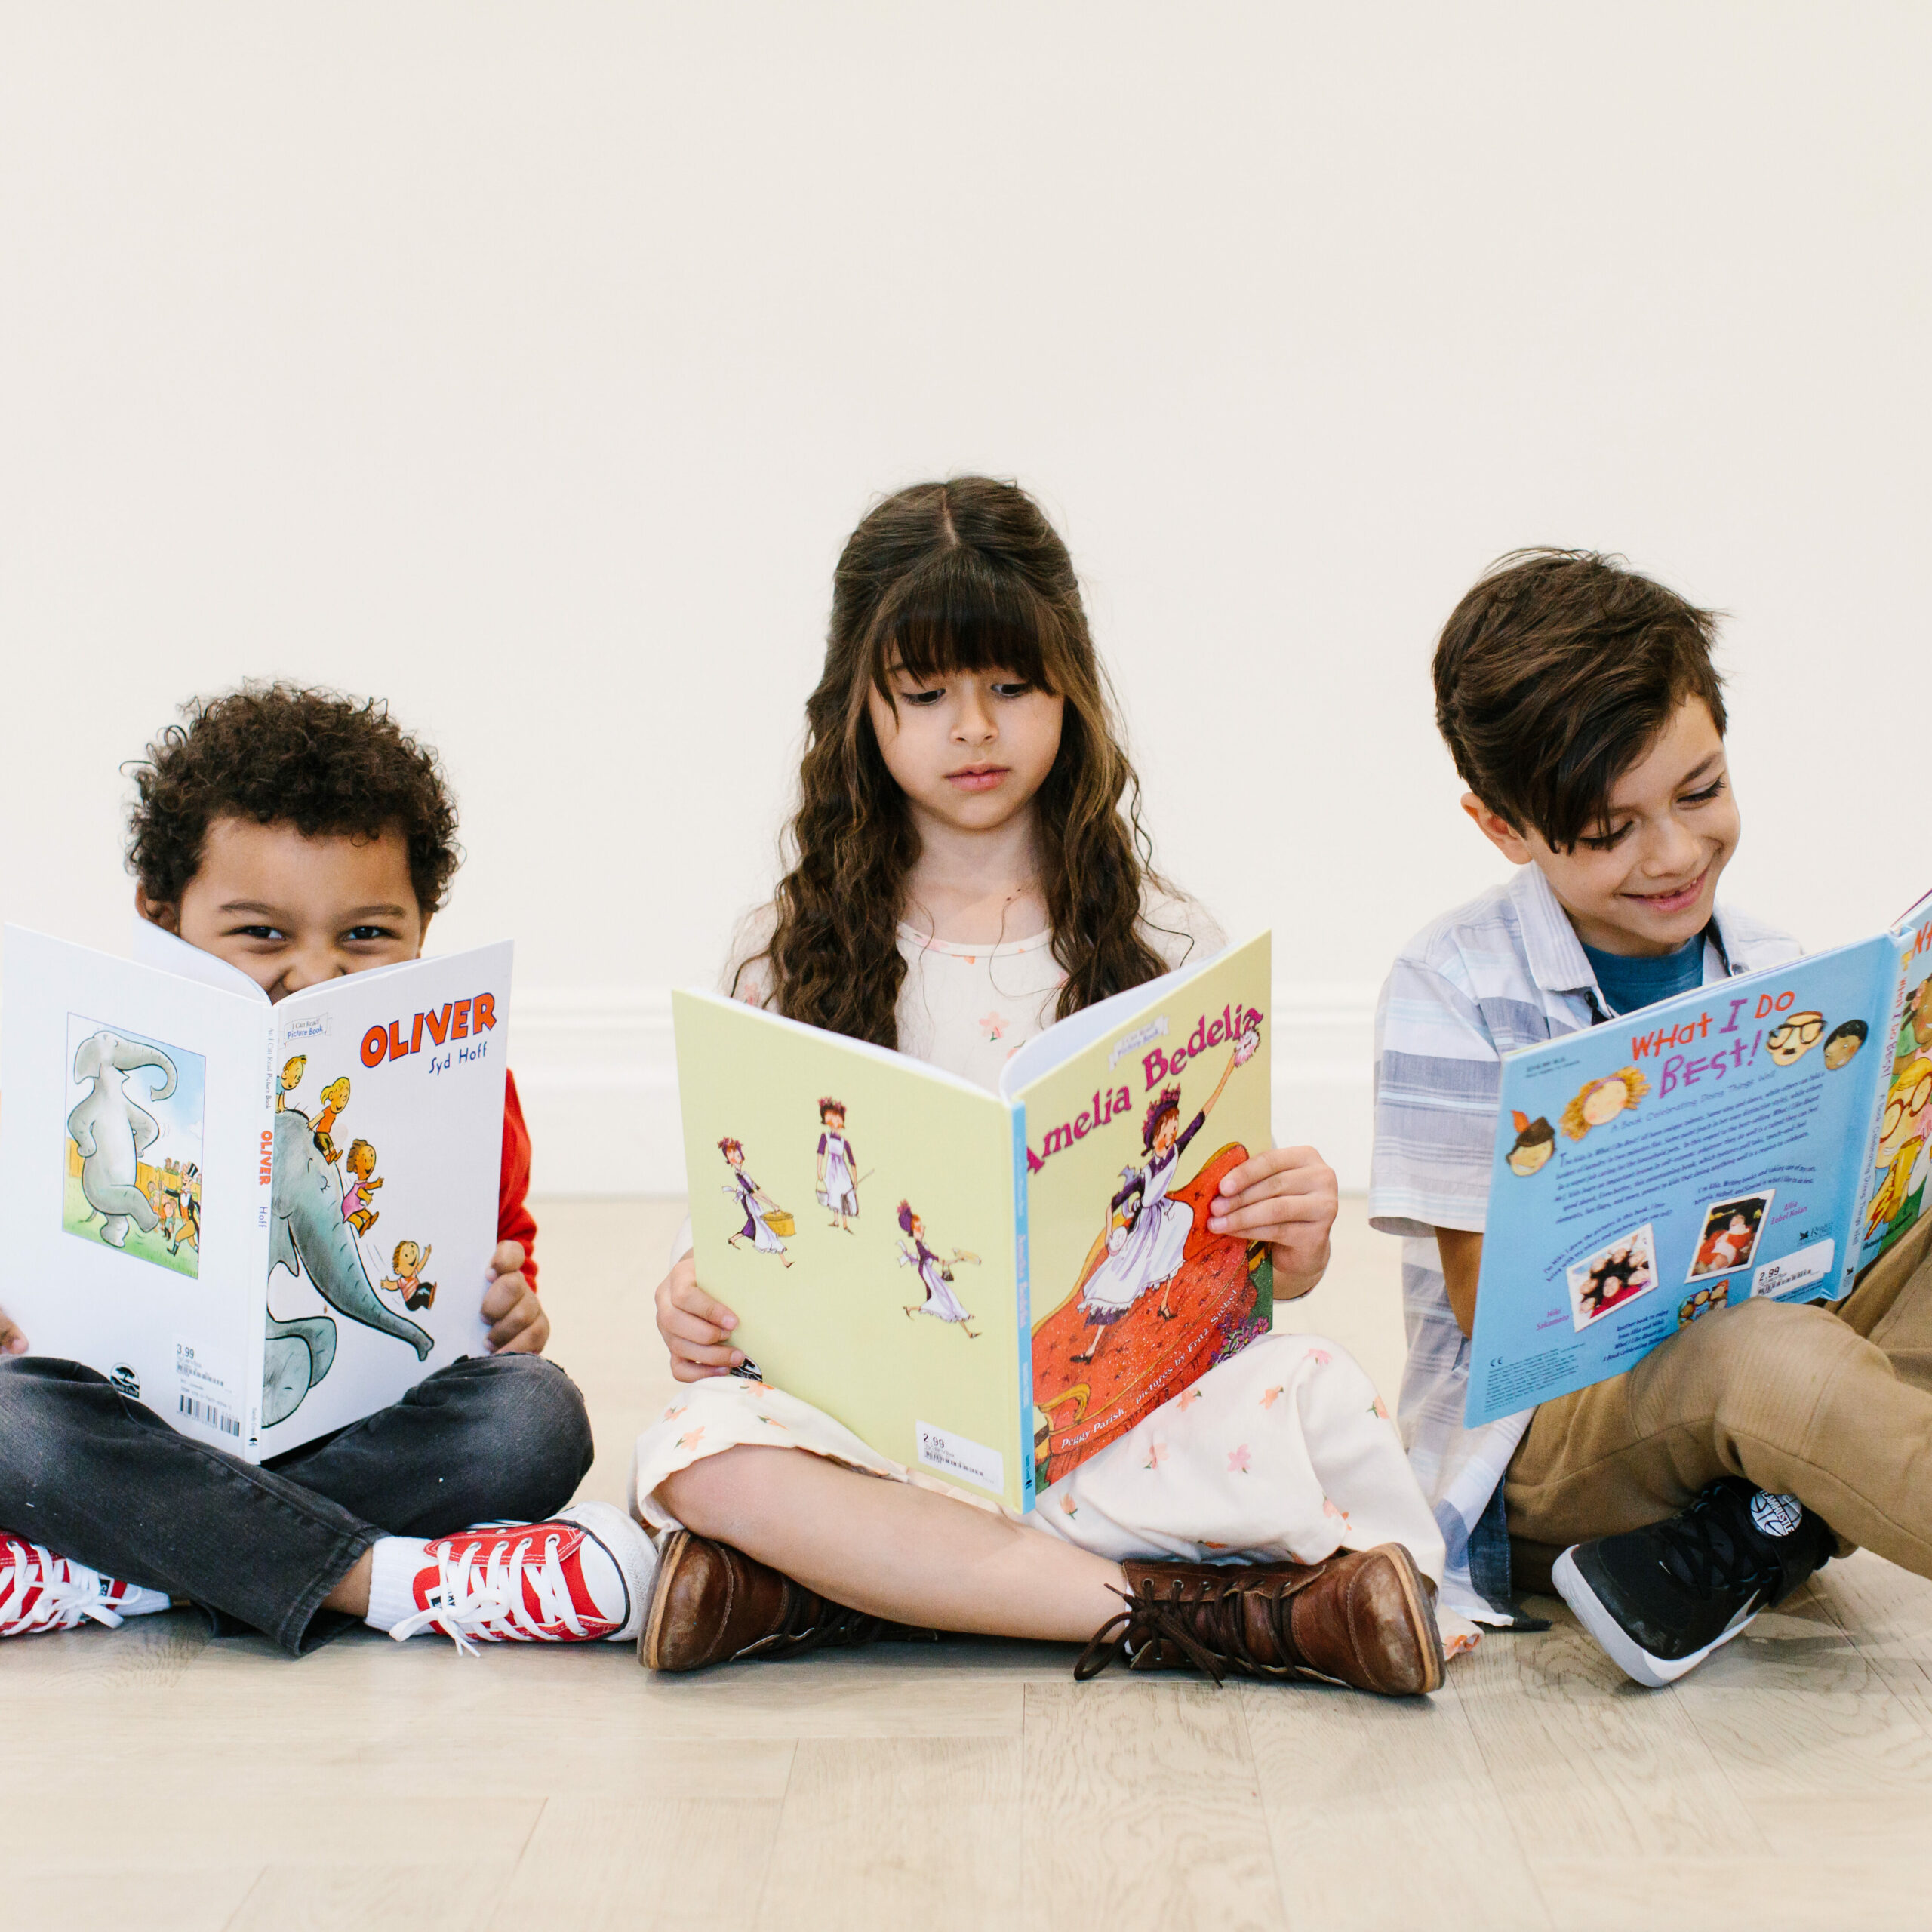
(112, 1130)
(308, 1236)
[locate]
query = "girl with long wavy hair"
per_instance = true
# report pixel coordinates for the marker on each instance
(966, 866)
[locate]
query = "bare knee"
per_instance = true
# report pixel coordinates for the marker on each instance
(715, 1496)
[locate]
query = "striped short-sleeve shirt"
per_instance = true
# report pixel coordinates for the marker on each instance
(1504, 971)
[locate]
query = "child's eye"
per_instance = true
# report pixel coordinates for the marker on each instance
(264, 933)
(1603, 842)
(925, 697)
(363, 935)
(1704, 797)
(1018, 690)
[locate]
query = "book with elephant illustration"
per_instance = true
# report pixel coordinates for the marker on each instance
(1762, 1137)
(988, 1287)
(264, 1222)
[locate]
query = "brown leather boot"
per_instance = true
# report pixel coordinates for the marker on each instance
(1362, 1618)
(711, 1603)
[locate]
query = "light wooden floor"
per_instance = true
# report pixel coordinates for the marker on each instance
(151, 1779)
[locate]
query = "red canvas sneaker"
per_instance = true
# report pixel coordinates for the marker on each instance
(39, 1591)
(583, 1577)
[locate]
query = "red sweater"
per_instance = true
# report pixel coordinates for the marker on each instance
(514, 1222)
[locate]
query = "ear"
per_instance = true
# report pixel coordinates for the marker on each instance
(161, 912)
(1498, 831)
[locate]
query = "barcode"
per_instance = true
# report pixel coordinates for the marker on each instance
(215, 1418)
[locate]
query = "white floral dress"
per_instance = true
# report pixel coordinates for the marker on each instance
(1284, 1452)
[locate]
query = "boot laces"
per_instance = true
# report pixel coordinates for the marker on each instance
(39, 1591)
(1151, 1618)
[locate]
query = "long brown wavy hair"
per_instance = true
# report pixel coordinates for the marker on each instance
(967, 575)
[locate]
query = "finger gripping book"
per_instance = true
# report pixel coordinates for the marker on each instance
(264, 1222)
(1764, 1137)
(991, 1287)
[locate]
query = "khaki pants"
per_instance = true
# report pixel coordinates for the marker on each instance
(1832, 1404)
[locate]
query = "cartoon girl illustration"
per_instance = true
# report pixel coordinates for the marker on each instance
(758, 1208)
(363, 1183)
(335, 1097)
(1843, 1045)
(940, 1302)
(291, 1078)
(1602, 1101)
(1535, 1142)
(1146, 1232)
(838, 1167)
(409, 1263)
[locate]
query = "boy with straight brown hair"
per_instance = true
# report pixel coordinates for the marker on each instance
(1668, 1504)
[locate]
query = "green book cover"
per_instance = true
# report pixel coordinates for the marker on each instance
(885, 1230)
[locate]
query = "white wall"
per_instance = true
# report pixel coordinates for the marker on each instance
(531, 364)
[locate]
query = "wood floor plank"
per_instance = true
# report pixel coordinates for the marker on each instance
(350, 1896)
(920, 1831)
(1637, 1778)
(1382, 1813)
(1814, 1739)
(203, 1899)
(1141, 1807)
(647, 1865)
(260, 1815)
(1721, 1891)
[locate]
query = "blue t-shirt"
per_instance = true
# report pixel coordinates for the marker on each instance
(1630, 980)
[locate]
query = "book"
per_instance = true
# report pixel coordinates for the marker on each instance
(991, 1286)
(1761, 1137)
(263, 1221)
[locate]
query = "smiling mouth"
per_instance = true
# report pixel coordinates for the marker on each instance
(977, 777)
(1672, 901)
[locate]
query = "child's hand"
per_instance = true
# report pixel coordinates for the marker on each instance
(697, 1330)
(1288, 1199)
(12, 1342)
(518, 1324)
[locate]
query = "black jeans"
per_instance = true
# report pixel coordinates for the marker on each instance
(99, 1479)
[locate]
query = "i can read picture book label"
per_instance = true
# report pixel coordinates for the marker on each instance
(242, 1210)
(1765, 1136)
(991, 1286)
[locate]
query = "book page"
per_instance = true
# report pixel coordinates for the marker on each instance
(389, 1128)
(1903, 1154)
(1680, 1160)
(1133, 1298)
(132, 1180)
(856, 1209)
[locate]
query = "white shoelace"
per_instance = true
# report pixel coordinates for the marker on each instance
(64, 1599)
(488, 1603)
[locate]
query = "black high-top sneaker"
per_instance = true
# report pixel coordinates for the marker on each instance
(1661, 1599)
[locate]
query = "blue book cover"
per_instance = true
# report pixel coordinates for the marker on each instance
(1766, 1136)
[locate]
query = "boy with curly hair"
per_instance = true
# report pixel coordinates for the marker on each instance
(298, 835)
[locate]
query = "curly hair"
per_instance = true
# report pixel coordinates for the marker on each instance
(967, 575)
(277, 754)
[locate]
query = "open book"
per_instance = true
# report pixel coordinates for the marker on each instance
(989, 1286)
(1763, 1136)
(263, 1222)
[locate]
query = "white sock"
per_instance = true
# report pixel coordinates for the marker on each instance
(393, 1564)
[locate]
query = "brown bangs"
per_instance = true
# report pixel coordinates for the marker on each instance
(959, 614)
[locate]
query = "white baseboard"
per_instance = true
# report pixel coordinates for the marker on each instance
(598, 1073)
